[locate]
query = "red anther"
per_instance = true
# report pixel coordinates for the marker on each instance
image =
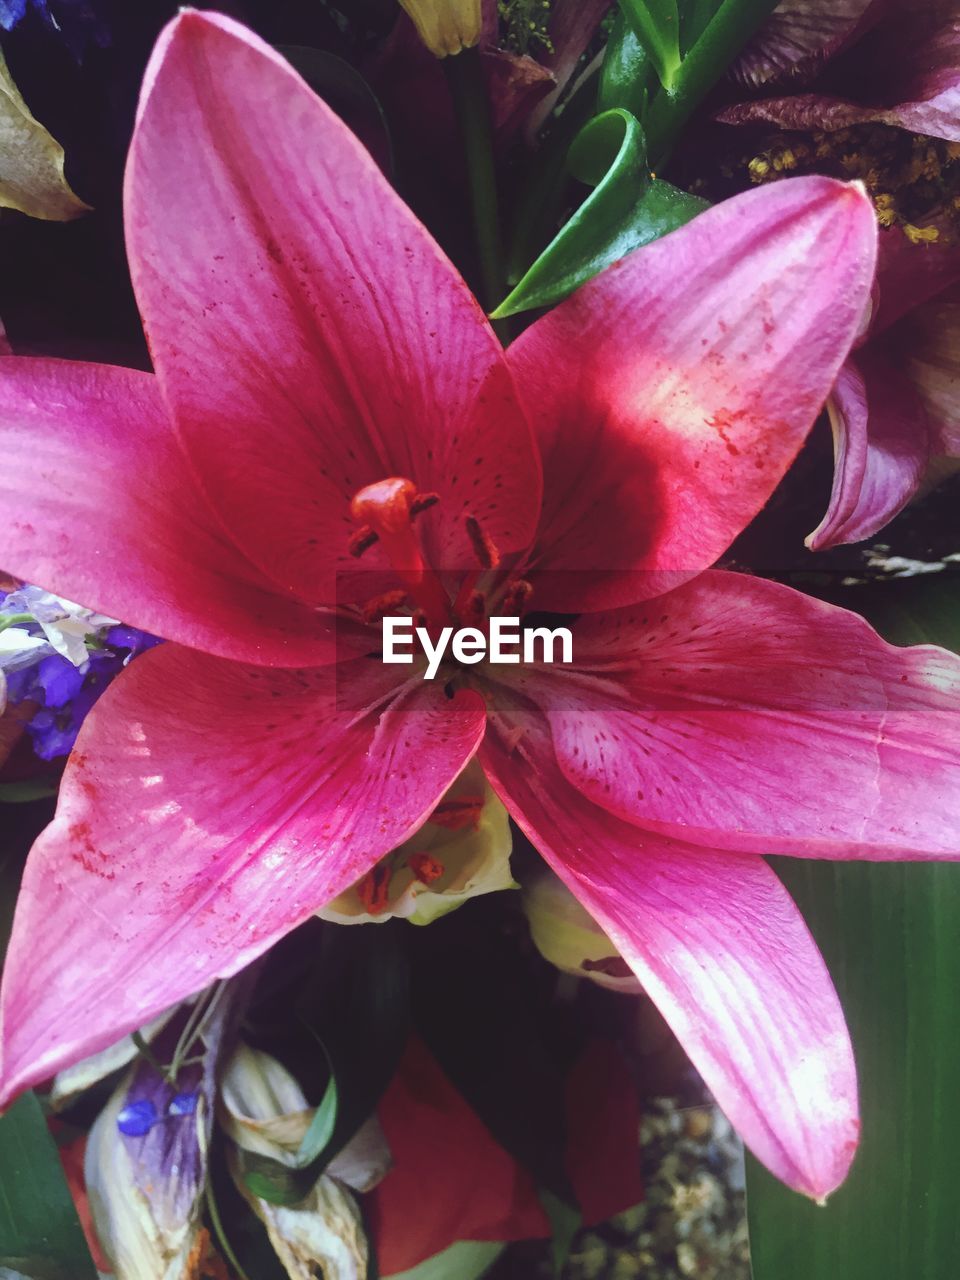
(423, 502)
(612, 966)
(361, 541)
(374, 889)
(475, 609)
(425, 867)
(457, 813)
(380, 606)
(516, 598)
(484, 548)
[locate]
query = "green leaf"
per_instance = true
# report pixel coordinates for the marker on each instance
(467, 1260)
(25, 792)
(628, 209)
(320, 1134)
(565, 1221)
(888, 932)
(734, 23)
(625, 74)
(656, 25)
(40, 1233)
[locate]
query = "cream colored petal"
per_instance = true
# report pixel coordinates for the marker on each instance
(322, 1238)
(31, 161)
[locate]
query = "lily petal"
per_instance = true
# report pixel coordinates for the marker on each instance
(100, 506)
(721, 949)
(309, 335)
(798, 37)
(881, 445)
(207, 809)
(740, 714)
(677, 416)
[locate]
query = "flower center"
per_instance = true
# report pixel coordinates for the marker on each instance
(386, 513)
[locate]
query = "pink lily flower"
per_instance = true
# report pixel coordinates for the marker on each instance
(323, 377)
(895, 410)
(836, 63)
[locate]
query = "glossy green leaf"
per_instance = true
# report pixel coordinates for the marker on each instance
(320, 1134)
(40, 1233)
(889, 933)
(628, 209)
(656, 25)
(626, 75)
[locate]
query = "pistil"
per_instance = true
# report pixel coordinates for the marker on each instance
(385, 512)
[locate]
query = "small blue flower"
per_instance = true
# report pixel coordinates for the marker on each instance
(137, 1118)
(61, 657)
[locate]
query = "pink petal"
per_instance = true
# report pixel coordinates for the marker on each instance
(720, 948)
(798, 37)
(100, 506)
(209, 808)
(740, 714)
(308, 334)
(675, 410)
(881, 441)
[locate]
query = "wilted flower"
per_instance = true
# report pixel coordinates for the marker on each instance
(265, 1112)
(335, 391)
(146, 1158)
(838, 63)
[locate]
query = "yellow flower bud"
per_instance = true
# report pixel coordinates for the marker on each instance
(446, 26)
(566, 934)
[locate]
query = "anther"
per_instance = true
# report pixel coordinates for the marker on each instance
(380, 606)
(361, 541)
(423, 502)
(483, 546)
(457, 814)
(475, 609)
(516, 598)
(374, 889)
(425, 867)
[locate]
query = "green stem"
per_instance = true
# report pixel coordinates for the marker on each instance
(15, 619)
(465, 77)
(732, 26)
